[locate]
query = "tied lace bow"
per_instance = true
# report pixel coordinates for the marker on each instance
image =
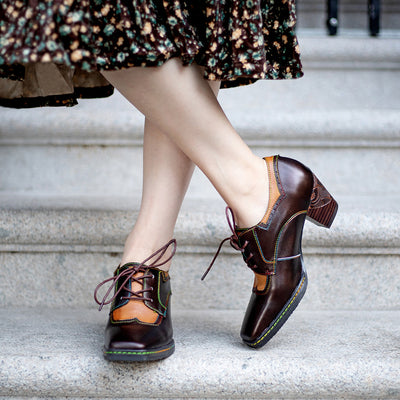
(129, 274)
(233, 240)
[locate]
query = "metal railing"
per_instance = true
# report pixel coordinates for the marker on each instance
(332, 21)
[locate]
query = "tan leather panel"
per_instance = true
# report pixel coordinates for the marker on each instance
(135, 308)
(273, 188)
(260, 281)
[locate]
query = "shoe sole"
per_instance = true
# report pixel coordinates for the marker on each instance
(283, 316)
(140, 355)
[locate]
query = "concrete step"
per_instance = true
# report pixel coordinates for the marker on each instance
(330, 107)
(61, 249)
(340, 111)
(56, 353)
(79, 171)
(353, 14)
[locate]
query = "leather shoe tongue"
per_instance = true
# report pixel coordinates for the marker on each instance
(136, 308)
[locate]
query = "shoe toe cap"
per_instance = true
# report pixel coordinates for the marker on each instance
(135, 336)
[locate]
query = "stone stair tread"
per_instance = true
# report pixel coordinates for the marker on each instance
(312, 127)
(319, 31)
(353, 45)
(51, 353)
(192, 203)
(49, 241)
(325, 109)
(105, 221)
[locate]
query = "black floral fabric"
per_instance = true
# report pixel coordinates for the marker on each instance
(237, 42)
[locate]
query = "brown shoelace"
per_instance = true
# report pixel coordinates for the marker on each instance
(234, 241)
(129, 274)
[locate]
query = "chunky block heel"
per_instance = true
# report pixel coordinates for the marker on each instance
(323, 207)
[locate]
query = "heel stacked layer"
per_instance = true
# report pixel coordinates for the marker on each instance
(323, 207)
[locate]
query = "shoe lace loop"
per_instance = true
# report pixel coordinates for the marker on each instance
(233, 240)
(129, 274)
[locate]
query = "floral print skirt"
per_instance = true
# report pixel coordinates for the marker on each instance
(52, 51)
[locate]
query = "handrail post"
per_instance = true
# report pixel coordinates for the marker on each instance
(332, 21)
(374, 16)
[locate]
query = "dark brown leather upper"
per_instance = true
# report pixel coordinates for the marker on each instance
(133, 333)
(273, 249)
(269, 241)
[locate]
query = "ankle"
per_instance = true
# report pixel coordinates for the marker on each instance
(252, 202)
(150, 252)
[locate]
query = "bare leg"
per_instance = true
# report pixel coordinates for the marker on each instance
(180, 102)
(166, 175)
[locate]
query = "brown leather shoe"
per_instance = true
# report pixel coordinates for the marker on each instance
(139, 327)
(272, 248)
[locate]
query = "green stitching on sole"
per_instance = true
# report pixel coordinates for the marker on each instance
(138, 352)
(281, 316)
